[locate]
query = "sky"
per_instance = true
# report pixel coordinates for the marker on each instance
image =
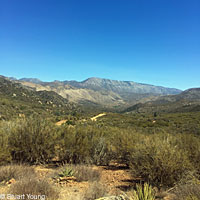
(148, 41)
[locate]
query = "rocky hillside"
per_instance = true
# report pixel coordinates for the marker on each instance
(122, 87)
(16, 99)
(101, 92)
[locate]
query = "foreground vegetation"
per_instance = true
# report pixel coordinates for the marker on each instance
(163, 150)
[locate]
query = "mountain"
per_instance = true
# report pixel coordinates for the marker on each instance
(32, 80)
(187, 101)
(16, 99)
(102, 92)
(122, 87)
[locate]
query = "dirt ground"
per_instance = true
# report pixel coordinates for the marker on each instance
(115, 178)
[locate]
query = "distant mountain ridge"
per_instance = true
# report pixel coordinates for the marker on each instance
(188, 100)
(32, 80)
(122, 86)
(102, 92)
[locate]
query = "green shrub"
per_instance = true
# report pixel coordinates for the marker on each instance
(122, 143)
(32, 140)
(73, 145)
(190, 144)
(5, 155)
(158, 161)
(83, 145)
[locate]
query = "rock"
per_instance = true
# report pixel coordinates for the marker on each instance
(67, 179)
(120, 197)
(11, 181)
(169, 197)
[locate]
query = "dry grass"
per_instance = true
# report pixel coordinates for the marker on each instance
(187, 192)
(81, 172)
(95, 191)
(15, 171)
(41, 189)
(86, 173)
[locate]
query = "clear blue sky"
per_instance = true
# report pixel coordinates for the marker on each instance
(148, 41)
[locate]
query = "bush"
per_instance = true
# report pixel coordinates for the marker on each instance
(158, 161)
(122, 143)
(83, 145)
(187, 192)
(188, 188)
(15, 171)
(5, 156)
(95, 191)
(39, 189)
(32, 140)
(190, 144)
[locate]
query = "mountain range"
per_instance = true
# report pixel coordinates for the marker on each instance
(62, 97)
(100, 92)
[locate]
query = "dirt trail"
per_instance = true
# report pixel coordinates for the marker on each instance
(97, 116)
(59, 123)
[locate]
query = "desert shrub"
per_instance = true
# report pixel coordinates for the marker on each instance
(83, 145)
(188, 188)
(73, 145)
(15, 171)
(190, 144)
(122, 143)
(40, 189)
(187, 192)
(143, 192)
(5, 155)
(32, 140)
(100, 153)
(158, 161)
(95, 191)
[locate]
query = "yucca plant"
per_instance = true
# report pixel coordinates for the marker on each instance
(67, 172)
(143, 192)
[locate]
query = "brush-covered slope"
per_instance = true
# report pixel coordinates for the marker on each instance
(188, 100)
(16, 100)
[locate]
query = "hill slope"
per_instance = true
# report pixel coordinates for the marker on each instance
(188, 100)
(16, 100)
